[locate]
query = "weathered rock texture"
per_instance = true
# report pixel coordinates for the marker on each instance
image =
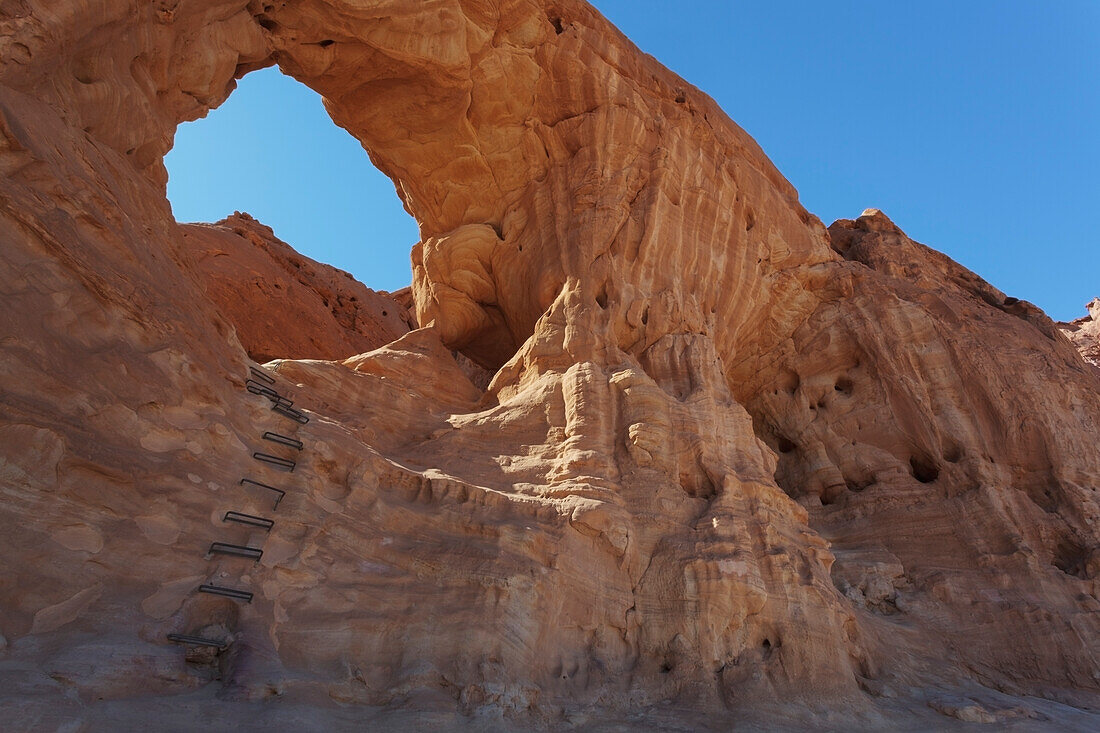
(1085, 333)
(730, 467)
(282, 304)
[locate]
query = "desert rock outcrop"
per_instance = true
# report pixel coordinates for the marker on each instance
(282, 304)
(665, 450)
(1085, 333)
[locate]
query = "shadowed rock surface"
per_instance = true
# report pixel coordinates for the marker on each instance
(666, 452)
(282, 304)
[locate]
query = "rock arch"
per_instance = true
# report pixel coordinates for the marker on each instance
(518, 178)
(603, 522)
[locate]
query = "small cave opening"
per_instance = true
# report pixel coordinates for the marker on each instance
(784, 444)
(923, 469)
(601, 297)
(844, 385)
(1070, 558)
(284, 195)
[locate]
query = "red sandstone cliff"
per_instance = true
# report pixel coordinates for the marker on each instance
(1085, 333)
(732, 467)
(284, 305)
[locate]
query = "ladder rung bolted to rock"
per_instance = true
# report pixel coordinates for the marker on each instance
(287, 411)
(259, 374)
(280, 492)
(219, 590)
(282, 440)
(224, 548)
(196, 641)
(249, 519)
(269, 393)
(283, 463)
(259, 383)
(262, 389)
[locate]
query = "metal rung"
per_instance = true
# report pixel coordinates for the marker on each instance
(282, 440)
(257, 388)
(259, 374)
(280, 492)
(269, 393)
(196, 641)
(250, 520)
(224, 548)
(218, 590)
(261, 389)
(274, 460)
(287, 411)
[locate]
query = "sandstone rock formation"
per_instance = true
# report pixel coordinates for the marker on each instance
(282, 304)
(1085, 333)
(731, 466)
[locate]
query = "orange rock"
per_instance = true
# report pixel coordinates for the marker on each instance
(284, 305)
(665, 451)
(1085, 333)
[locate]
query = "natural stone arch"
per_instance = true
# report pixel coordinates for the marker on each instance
(684, 282)
(470, 109)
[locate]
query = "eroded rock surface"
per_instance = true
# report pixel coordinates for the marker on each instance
(729, 465)
(282, 304)
(1085, 333)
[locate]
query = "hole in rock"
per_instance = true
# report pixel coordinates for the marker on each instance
(844, 386)
(601, 297)
(784, 444)
(924, 470)
(558, 28)
(273, 152)
(832, 494)
(1069, 557)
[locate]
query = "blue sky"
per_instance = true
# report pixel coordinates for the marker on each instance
(974, 125)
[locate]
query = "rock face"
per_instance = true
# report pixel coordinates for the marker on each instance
(730, 465)
(282, 304)
(1085, 333)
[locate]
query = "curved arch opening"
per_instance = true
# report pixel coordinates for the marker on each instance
(272, 151)
(296, 235)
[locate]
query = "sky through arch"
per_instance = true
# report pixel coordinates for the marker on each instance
(272, 151)
(972, 125)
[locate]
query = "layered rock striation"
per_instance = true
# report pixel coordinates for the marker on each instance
(665, 450)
